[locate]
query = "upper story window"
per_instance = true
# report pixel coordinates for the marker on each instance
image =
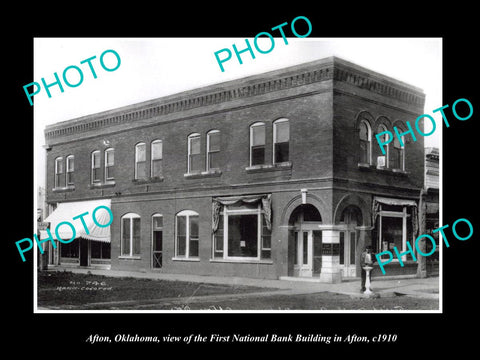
(95, 166)
(187, 234)
(157, 158)
(70, 169)
(140, 161)
(130, 235)
(109, 162)
(365, 135)
(59, 173)
(383, 160)
(281, 139)
(213, 149)
(398, 155)
(257, 144)
(194, 155)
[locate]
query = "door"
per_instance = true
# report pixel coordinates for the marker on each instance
(348, 246)
(84, 252)
(303, 258)
(157, 249)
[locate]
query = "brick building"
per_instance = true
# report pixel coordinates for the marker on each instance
(270, 176)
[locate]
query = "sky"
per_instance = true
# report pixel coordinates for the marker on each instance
(154, 67)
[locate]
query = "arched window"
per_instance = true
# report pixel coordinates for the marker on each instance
(383, 159)
(70, 168)
(213, 149)
(257, 144)
(140, 161)
(95, 162)
(59, 172)
(130, 235)
(365, 135)
(187, 234)
(194, 159)
(109, 162)
(156, 165)
(281, 140)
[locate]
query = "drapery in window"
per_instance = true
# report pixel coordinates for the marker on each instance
(264, 199)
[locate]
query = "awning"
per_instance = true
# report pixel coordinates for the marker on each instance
(65, 212)
(397, 202)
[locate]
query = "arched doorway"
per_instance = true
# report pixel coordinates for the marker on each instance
(350, 219)
(305, 245)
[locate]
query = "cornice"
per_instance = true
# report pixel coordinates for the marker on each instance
(326, 69)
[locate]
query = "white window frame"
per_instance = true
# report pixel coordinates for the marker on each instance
(58, 160)
(92, 164)
(136, 159)
(369, 139)
(107, 151)
(130, 216)
(260, 123)
(208, 168)
(69, 159)
(402, 151)
(275, 123)
(157, 141)
(189, 150)
(397, 214)
(226, 212)
(186, 214)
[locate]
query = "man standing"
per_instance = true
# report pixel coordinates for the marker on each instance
(367, 258)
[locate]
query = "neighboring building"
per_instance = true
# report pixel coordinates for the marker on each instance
(274, 175)
(431, 197)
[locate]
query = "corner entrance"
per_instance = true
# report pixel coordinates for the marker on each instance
(305, 242)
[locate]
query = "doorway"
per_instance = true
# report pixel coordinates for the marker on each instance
(84, 252)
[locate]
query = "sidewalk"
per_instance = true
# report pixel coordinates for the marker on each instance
(427, 288)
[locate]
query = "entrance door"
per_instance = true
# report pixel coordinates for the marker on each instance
(303, 258)
(84, 251)
(348, 245)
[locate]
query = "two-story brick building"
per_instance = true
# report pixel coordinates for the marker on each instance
(274, 175)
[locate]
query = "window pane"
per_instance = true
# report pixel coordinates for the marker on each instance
(258, 135)
(157, 240)
(317, 251)
(156, 168)
(193, 248)
(391, 233)
(258, 155)
(352, 248)
(109, 158)
(126, 236)
(363, 131)
(305, 248)
(157, 222)
(181, 235)
(70, 178)
(342, 248)
(282, 131)
(140, 152)
(141, 170)
(96, 174)
(109, 172)
(193, 227)
(59, 166)
(196, 162)
(243, 235)
(136, 236)
(364, 152)
(194, 145)
(95, 249)
(105, 250)
(214, 141)
(281, 152)
(157, 150)
(213, 160)
(70, 163)
(96, 160)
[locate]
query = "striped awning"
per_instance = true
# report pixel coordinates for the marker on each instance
(87, 229)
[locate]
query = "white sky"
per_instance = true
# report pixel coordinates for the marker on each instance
(155, 67)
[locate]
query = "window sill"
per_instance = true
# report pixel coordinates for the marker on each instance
(101, 185)
(128, 257)
(260, 168)
(242, 261)
(203, 174)
(383, 169)
(150, 180)
(186, 259)
(64, 189)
